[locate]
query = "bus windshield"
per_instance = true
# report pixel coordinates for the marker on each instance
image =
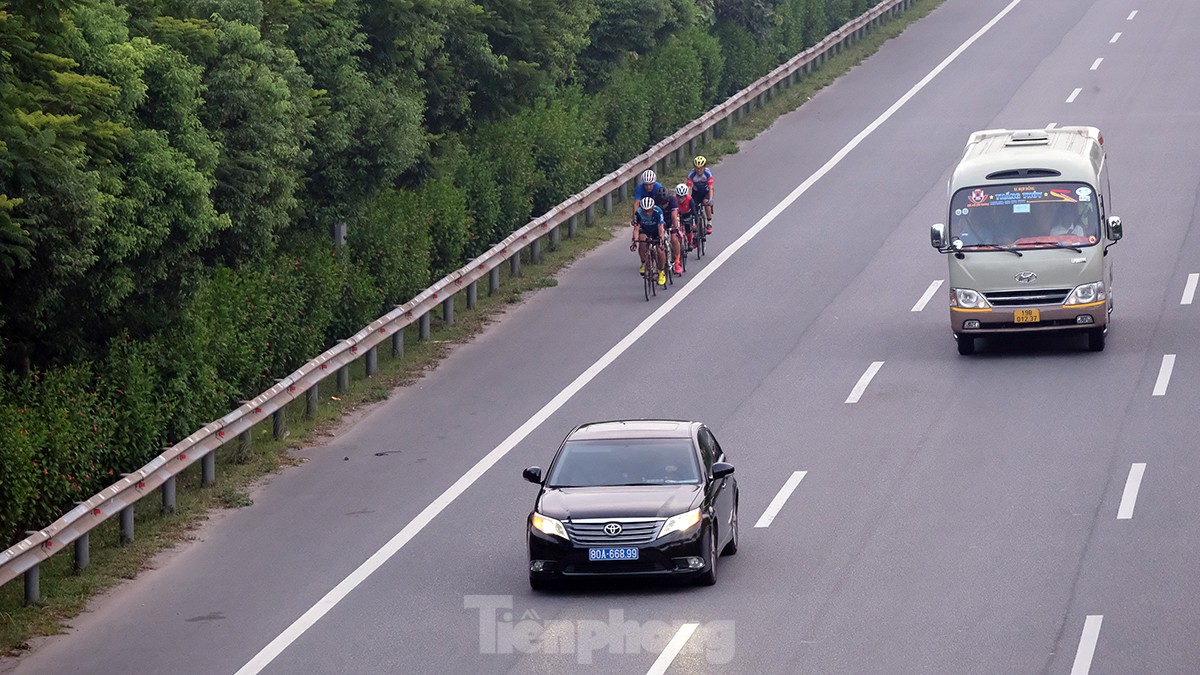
(1024, 216)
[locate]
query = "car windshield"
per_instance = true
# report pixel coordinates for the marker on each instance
(1025, 216)
(657, 461)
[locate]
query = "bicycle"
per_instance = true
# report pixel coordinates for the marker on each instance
(699, 230)
(650, 276)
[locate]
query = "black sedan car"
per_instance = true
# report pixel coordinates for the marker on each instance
(634, 497)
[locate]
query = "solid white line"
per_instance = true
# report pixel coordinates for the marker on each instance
(672, 649)
(1189, 289)
(1087, 644)
(1132, 485)
(1071, 98)
(1096, 63)
(857, 392)
(1164, 375)
(1052, 125)
(789, 486)
(933, 287)
(1131, 15)
(1115, 37)
(389, 549)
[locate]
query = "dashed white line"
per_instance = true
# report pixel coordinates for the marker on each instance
(928, 295)
(1071, 98)
(1132, 484)
(780, 499)
(1189, 290)
(1115, 37)
(863, 381)
(672, 649)
(1052, 125)
(1131, 15)
(1164, 375)
(1087, 644)
(1096, 63)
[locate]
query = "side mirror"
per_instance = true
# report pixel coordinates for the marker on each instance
(937, 236)
(1114, 228)
(533, 474)
(721, 470)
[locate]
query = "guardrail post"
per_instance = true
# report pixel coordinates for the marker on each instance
(83, 553)
(493, 280)
(279, 424)
(691, 146)
(662, 165)
(127, 522)
(343, 378)
(678, 156)
(535, 252)
(514, 265)
(472, 294)
(555, 238)
(589, 215)
(311, 399)
(573, 225)
(448, 310)
(208, 469)
(33, 593)
(168, 502)
(622, 192)
(398, 343)
(372, 364)
(608, 203)
(423, 327)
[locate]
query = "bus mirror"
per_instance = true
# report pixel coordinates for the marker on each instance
(1114, 228)
(937, 236)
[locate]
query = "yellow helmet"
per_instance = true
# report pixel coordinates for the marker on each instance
(700, 161)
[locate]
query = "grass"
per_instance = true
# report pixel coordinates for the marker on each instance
(240, 465)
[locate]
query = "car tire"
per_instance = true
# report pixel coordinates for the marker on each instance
(732, 547)
(709, 576)
(966, 344)
(1096, 339)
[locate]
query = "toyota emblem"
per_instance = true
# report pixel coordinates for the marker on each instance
(1026, 277)
(612, 529)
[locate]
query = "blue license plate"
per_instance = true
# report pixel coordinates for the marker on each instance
(613, 553)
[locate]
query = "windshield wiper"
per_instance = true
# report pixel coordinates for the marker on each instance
(1063, 244)
(997, 247)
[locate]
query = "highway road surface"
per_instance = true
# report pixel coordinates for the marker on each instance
(1030, 509)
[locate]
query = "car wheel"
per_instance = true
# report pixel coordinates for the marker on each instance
(732, 547)
(709, 576)
(966, 345)
(1096, 339)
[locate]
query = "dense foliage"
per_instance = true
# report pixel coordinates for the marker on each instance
(170, 170)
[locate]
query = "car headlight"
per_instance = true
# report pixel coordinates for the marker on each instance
(968, 299)
(680, 523)
(1085, 294)
(549, 526)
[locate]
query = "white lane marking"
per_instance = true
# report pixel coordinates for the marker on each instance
(1071, 98)
(1096, 63)
(1189, 289)
(1132, 484)
(1087, 644)
(1164, 375)
(672, 649)
(389, 549)
(1131, 15)
(789, 486)
(928, 295)
(857, 392)
(1052, 125)
(1115, 37)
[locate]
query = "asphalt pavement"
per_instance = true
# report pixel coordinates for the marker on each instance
(1029, 509)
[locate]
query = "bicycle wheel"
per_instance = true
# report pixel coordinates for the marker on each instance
(670, 267)
(646, 283)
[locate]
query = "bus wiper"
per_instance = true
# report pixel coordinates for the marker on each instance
(997, 247)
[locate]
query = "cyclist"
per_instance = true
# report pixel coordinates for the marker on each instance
(686, 222)
(648, 226)
(670, 208)
(646, 188)
(700, 180)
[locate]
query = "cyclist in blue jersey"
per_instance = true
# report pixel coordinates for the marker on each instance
(665, 200)
(649, 226)
(645, 188)
(700, 180)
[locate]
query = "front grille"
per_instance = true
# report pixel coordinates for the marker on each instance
(592, 533)
(1033, 296)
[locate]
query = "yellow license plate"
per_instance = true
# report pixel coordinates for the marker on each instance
(1027, 316)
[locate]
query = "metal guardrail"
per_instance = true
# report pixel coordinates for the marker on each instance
(120, 497)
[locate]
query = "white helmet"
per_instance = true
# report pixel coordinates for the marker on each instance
(648, 176)
(647, 203)
(681, 190)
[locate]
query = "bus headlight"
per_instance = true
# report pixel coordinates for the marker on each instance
(966, 298)
(1086, 294)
